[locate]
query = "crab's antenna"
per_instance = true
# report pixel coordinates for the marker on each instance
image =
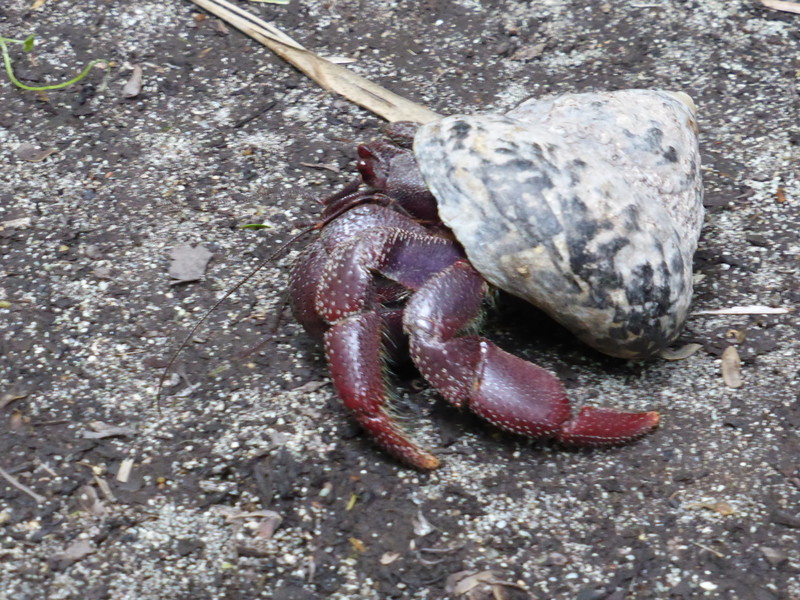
(227, 295)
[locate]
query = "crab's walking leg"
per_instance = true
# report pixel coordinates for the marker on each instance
(348, 298)
(505, 390)
(353, 348)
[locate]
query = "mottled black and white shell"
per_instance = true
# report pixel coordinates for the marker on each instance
(589, 206)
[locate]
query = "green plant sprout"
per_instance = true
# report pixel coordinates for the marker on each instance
(27, 46)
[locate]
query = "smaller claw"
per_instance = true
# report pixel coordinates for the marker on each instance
(605, 427)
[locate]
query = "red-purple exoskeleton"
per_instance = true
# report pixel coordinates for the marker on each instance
(385, 277)
(587, 205)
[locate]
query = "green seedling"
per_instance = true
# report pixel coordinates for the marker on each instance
(27, 46)
(255, 226)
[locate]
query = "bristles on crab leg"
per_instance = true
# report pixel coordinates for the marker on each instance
(353, 347)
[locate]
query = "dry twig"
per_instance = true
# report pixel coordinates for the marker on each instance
(21, 486)
(329, 75)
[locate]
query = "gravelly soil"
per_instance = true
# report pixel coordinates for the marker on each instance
(223, 134)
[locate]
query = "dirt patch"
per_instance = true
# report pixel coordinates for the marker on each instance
(221, 135)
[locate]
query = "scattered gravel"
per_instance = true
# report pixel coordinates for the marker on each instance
(705, 507)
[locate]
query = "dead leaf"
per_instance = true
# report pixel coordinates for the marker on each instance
(311, 386)
(90, 502)
(17, 420)
(188, 262)
(482, 585)
(31, 153)
(124, 471)
(461, 583)
(679, 353)
(774, 556)
(721, 507)
(134, 85)
(7, 399)
(358, 545)
(731, 368)
(266, 527)
(72, 553)
(389, 557)
(782, 5)
(103, 430)
(421, 525)
(737, 335)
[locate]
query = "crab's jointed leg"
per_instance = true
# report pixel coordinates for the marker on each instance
(345, 292)
(505, 390)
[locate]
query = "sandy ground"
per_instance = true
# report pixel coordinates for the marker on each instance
(253, 481)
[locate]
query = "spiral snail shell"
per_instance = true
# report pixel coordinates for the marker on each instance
(588, 205)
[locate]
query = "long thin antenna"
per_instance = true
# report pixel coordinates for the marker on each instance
(227, 295)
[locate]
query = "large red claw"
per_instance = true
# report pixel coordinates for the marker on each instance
(605, 426)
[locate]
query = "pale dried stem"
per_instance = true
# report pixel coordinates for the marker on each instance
(329, 75)
(21, 486)
(782, 5)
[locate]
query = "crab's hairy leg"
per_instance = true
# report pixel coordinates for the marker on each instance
(353, 348)
(505, 390)
(362, 331)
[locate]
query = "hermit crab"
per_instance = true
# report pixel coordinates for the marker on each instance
(587, 205)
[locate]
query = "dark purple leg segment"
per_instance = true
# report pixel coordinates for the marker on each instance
(353, 348)
(507, 391)
(352, 281)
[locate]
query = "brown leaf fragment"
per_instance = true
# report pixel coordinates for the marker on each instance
(465, 582)
(104, 430)
(90, 502)
(720, 507)
(774, 556)
(188, 262)
(681, 353)
(358, 545)
(71, 554)
(422, 526)
(31, 153)
(311, 386)
(134, 85)
(7, 399)
(737, 335)
(17, 420)
(731, 368)
(267, 526)
(389, 557)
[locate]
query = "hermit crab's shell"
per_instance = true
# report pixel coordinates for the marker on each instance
(588, 205)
